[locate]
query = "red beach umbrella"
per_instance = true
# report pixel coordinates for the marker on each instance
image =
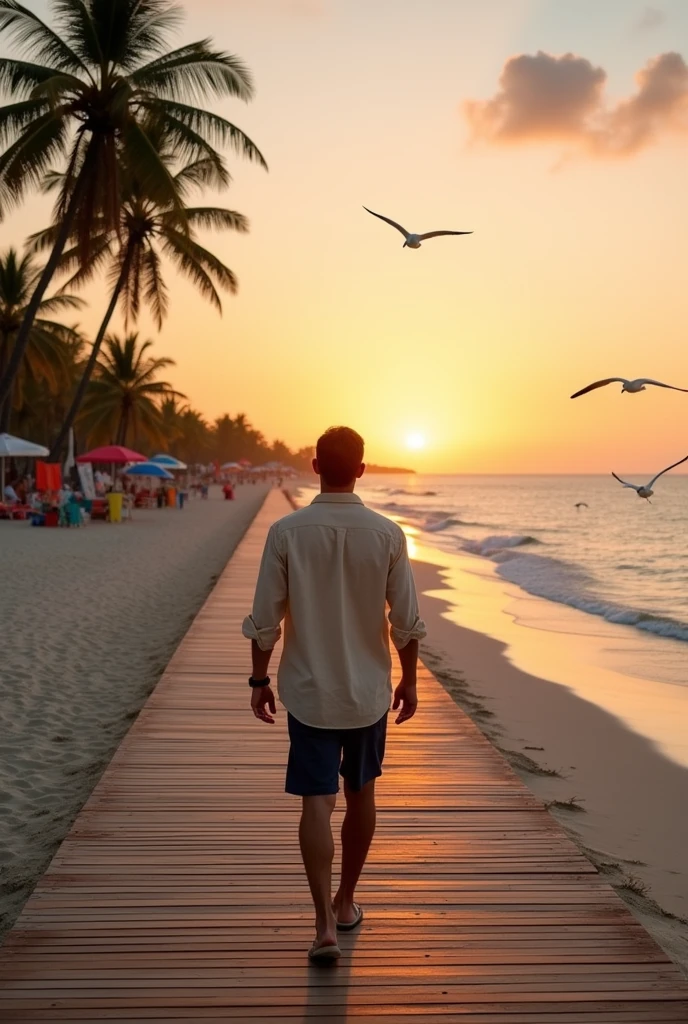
(113, 453)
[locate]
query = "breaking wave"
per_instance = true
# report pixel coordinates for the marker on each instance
(570, 585)
(493, 547)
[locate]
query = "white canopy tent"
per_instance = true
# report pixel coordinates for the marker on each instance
(17, 448)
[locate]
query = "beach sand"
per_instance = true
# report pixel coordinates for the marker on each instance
(628, 802)
(90, 618)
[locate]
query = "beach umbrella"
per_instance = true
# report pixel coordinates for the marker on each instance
(115, 454)
(149, 469)
(17, 448)
(230, 465)
(168, 461)
(244, 462)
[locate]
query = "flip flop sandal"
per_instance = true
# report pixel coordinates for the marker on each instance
(324, 954)
(349, 926)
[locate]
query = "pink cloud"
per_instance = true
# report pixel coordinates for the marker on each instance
(544, 97)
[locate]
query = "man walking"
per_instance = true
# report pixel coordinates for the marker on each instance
(329, 571)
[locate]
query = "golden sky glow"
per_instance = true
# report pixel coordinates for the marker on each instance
(576, 270)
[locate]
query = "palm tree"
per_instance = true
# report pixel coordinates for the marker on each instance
(95, 93)
(123, 399)
(47, 352)
(187, 435)
(133, 251)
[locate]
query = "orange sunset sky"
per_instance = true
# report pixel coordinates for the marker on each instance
(571, 171)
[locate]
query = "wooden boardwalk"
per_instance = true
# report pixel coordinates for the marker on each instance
(179, 895)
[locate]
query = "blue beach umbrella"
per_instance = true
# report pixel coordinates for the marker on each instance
(149, 469)
(168, 461)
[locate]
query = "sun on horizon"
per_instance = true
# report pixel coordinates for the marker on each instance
(415, 441)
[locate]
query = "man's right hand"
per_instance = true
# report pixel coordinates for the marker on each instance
(263, 704)
(406, 696)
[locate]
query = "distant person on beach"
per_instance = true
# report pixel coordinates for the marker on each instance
(330, 570)
(10, 495)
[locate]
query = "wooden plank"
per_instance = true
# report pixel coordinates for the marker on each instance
(479, 907)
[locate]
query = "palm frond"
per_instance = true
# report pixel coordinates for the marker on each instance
(195, 71)
(25, 162)
(155, 291)
(15, 117)
(60, 331)
(190, 145)
(38, 38)
(205, 259)
(216, 130)
(197, 174)
(216, 218)
(151, 27)
(195, 272)
(77, 26)
(59, 303)
(83, 271)
(131, 289)
(19, 78)
(153, 174)
(198, 265)
(59, 87)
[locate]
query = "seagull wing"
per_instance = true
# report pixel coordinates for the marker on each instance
(436, 234)
(633, 487)
(658, 383)
(388, 221)
(655, 478)
(600, 384)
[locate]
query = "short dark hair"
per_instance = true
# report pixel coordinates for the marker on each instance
(339, 453)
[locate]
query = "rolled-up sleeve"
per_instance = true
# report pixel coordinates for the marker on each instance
(270, 601)
(404, 613)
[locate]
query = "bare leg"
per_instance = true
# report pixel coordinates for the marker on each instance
(358, 830)
(317, 850)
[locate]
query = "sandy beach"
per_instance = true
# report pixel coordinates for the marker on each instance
(90, 618)
(616, 793)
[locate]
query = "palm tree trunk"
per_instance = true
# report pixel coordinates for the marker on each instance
(123, 426)
(6, 411)
(46, 277)
(90, 366)
(6, 406)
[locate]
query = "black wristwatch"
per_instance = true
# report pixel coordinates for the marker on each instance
(256, 683)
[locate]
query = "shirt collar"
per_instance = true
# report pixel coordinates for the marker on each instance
(345, 498)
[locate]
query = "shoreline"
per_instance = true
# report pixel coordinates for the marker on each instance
(618, 797)
(94, 617)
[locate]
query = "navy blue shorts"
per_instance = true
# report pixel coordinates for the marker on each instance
(317, 757)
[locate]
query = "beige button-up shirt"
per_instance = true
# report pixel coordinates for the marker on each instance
(329, 571)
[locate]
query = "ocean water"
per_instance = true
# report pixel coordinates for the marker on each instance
(620, 558)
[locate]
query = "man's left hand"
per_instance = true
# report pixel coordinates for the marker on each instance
(263, 704)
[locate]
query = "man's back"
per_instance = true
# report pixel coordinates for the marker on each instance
(329, 570)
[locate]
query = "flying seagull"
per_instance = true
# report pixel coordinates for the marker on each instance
(645, 490)
(630, 387)
(581, 504)
(413, 241)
